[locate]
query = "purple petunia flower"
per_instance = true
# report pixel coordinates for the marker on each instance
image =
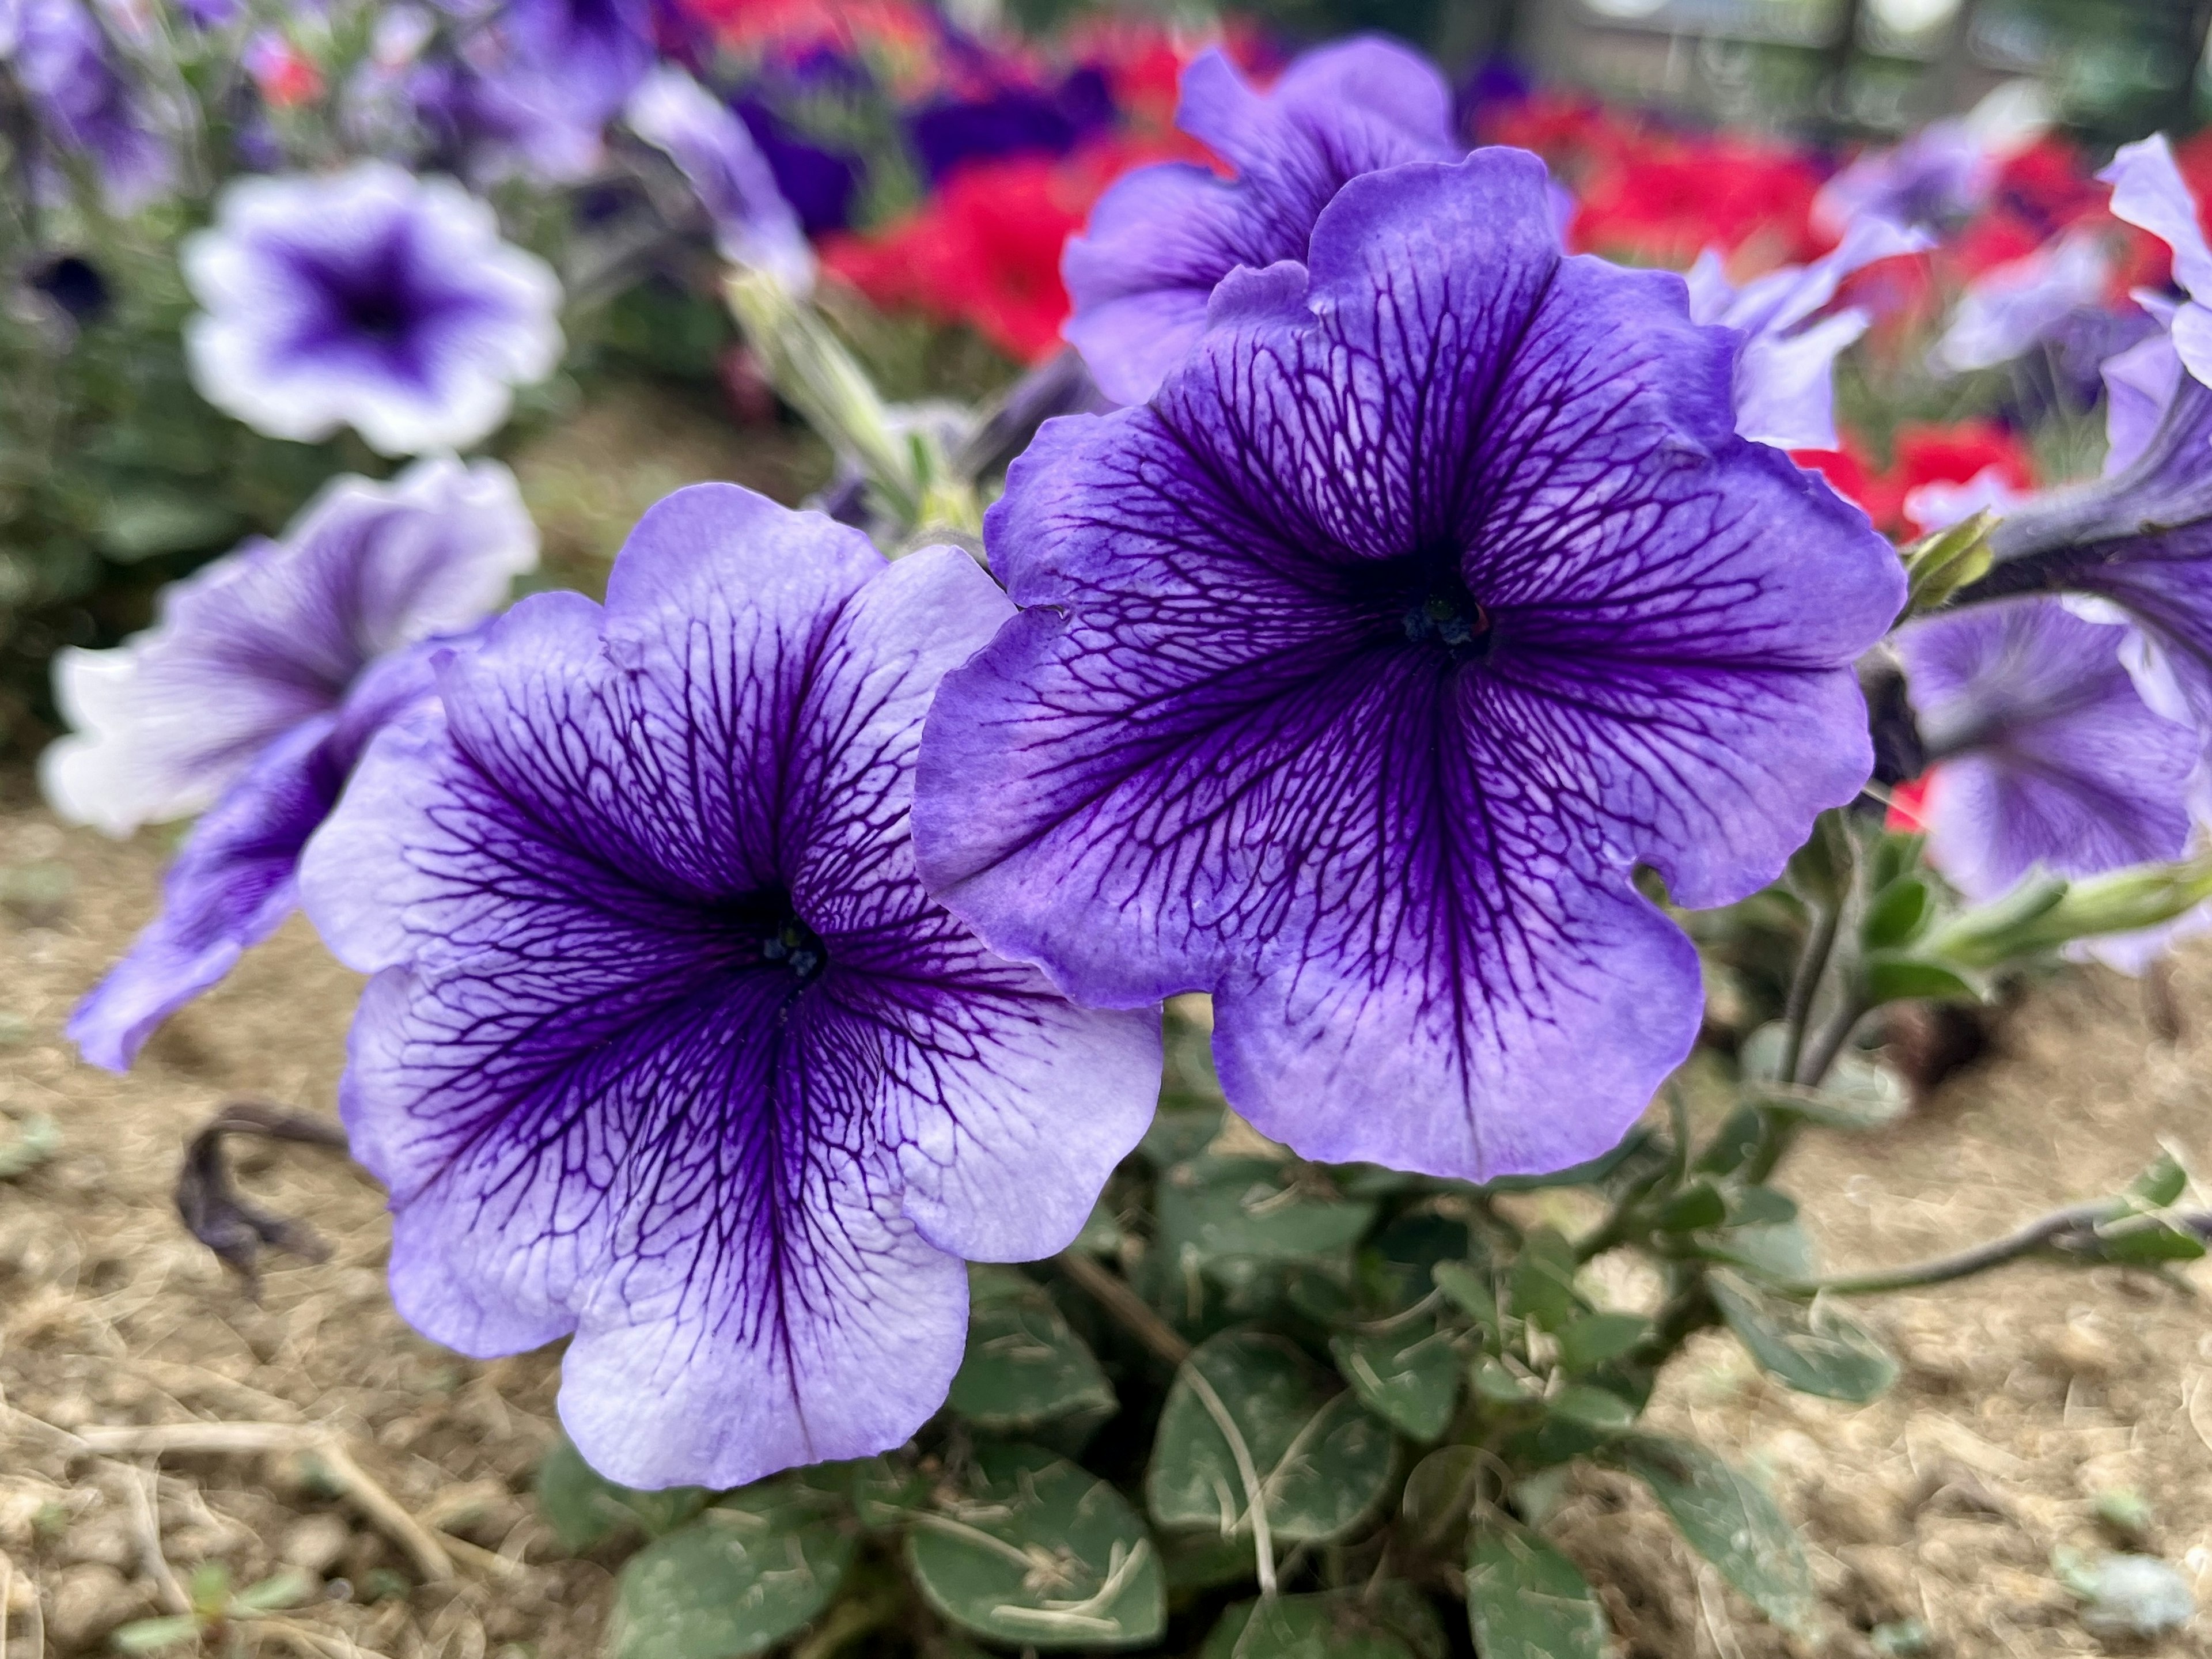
(753, 224)
(589, 54)
(1785, 382)
(276, 635)
(1162, 238)
(2043, 752)
(1357, 674)
(666, 1047)
(2149, 191)
(2024, 301)
(369, 298)
(83, 100)
(235, 878)
(1943, 172)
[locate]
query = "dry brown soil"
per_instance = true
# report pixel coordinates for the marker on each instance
(2024, 1395)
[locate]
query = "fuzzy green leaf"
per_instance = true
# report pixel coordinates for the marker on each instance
(1038, 1553)
(1730, 1519)
(584, 1508)
(1526, 1601)
(1408, 1377)
(1815, 1351)
(747, 1572)
(1025, 1366)
(1321, 1461)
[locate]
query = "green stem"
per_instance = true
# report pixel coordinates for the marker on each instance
(1822, 1056)
(1805, 985)
(2074, 1228)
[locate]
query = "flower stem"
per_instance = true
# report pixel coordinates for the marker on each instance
(2074, 1228)
(1112, 1292)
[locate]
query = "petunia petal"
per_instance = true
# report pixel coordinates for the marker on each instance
(1217, 749)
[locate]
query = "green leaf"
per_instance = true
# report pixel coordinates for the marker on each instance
(1040, 1553)
(1760, 1207)
(1469, 1291)
(151, 1635)
(1177, 1136)
(1321, 1461)
(1543, 1279)
(1593, 1408)
(1730, 1520)
(1233, 1214)
(1859, 1093)
(1346, 1623)
(2159, 1185)
(2149, 1241)
(285, 1589)
(1408, 1377)
(884, 1491)
(1025, 1366)
(1526, 1601)
(1439, 1491)
(1814, 1351)
(1897, 915)
(584, 1508)
(747, 1572)
(1697, 1206)
(34, 1144)
(1591, 1340)
(1938, 566)
(1895, 854)
(1821, 870)
(1781, 1251)
(1885, 978)
(1736, 1138)
(1501, 1387)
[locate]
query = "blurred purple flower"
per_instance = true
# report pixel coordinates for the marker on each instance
(1941, 174)
(1785, 390)
(2043, 752)
(492, 122)
(753, 224)
(235, 878)
(591, 53)
(1356, 675)
(84, 102)
(2025, 301)
(820, 184)
(2149, 191)
(666, 1048)
(274, 635)
(1011, 120)
(367, 298)
(1161, 237)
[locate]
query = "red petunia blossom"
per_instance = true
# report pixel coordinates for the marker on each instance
(1922, 453)
(1666, 200)
(985, 250)
(1908, 805)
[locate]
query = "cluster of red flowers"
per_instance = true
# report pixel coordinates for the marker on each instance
(1921, 453)
(1659, 196)
(984, 250)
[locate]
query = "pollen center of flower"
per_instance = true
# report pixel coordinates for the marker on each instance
(767, 920)
(798, 948)
(1423, 597)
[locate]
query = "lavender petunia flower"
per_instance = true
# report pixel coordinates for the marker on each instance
(1785, 382)
(1941, 174)
(1356, 675)
(2043, 752)
(753, 224)
(590, 54)
(2149, 191)
(84, 102)
(1160, 238)
(2023, 302)
(666, 1047)
(275, 635)
(367, 298)
(235, 878)
(493, 121)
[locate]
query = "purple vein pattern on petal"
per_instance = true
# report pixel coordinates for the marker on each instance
(1355, 674)
(667, 1045)
(274, 633)
(2044, 751)
(1161, 238)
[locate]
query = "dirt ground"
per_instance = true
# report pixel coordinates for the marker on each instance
(2026, 1396)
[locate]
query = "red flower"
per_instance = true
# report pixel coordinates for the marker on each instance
(1908, 805)
(1664, 199)
(985, 250)
(1922, 453)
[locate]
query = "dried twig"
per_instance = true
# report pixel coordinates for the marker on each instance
(430, 1557)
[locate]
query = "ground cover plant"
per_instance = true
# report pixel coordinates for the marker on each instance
(1006, 1020)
